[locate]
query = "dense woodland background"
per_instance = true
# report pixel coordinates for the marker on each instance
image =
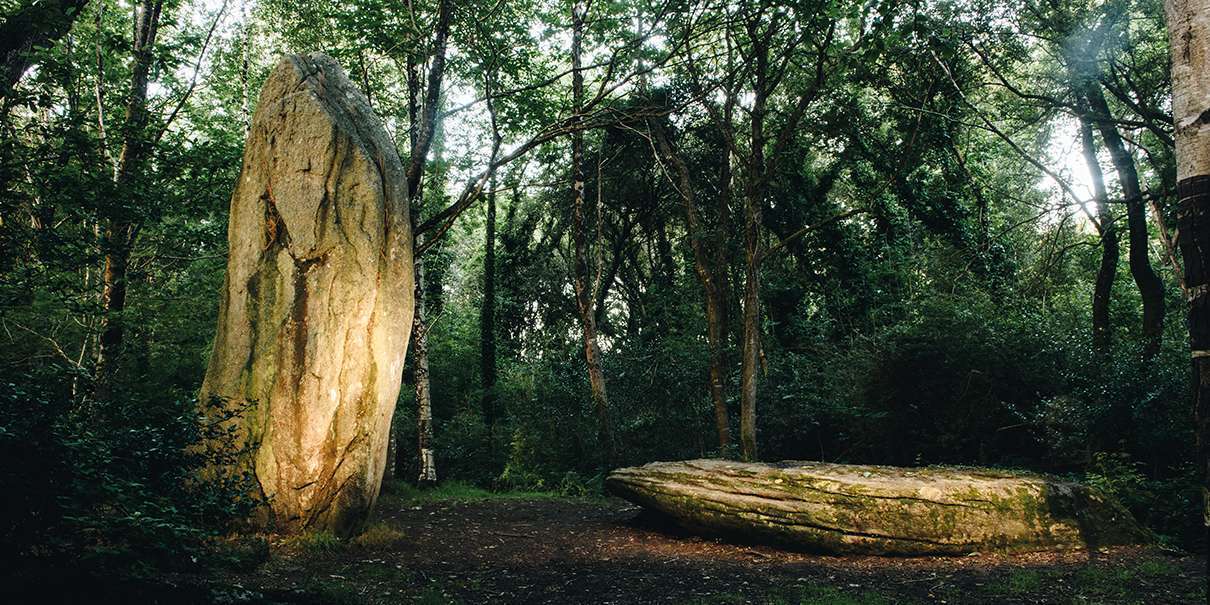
(881, 231)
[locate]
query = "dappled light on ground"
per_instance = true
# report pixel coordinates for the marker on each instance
(554, 550)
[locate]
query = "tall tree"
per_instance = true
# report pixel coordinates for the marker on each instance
(769, 37)
(487, 314)
(423, 101)
(579, 232)
(1151, 288)
(709, 268)
(121, 231)
(427, 459)
(1102, 331)
(1189, 36)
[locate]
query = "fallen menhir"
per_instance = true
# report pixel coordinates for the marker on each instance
(856, 509)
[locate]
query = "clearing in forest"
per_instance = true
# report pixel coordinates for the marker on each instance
(459, 545)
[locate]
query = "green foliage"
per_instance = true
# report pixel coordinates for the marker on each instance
(944, 319)
(317, 543)
(378, 535)
(1020, 583)
(802, 595)
(123, 486)
(457, 491)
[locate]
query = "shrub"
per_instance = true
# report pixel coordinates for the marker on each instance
(116, 486)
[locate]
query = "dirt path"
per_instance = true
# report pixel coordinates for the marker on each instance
(604, 551)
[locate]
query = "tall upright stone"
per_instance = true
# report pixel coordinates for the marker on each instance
(317, 304)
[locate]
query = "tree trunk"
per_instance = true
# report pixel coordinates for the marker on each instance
(36, 25)
(426, 458)
(753, 201)
(750, 352)
(707, 275)
(116, 243)
(487, 315)
(422, 124)
(1150, 287)
(1189, 34)
(879, 510)
(120, 232)
(388, 470)
(721, 321)
(1102, 334)
(583, 288)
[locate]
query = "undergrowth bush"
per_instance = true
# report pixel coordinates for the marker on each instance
(120, 486)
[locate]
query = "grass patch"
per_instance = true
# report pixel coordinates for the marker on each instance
(315, 543)
(457, 491)
(802, 595)
(240, 552)
(1019, 582)
(378, 535)
(1104, 582)
(1155, 569)
(1089, 584)
(434, 596)
(826, 595)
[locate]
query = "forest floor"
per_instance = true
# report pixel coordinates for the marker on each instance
(461, 545)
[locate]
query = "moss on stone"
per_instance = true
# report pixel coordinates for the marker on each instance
(882, 510)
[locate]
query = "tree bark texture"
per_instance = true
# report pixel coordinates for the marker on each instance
(1189, 34)
(425, 452)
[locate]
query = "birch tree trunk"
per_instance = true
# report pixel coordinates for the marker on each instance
(422, 125)
(1189, 35)
(426, 458)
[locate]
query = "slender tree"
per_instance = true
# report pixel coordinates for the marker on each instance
(487, 314)
(580, 270)
(423, 100)
(1151, 288)
(121, 231)
(427, 459)
(710, 274)
(769, 38)
(1102, 331)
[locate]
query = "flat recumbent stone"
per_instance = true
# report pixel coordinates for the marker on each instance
(842, 508)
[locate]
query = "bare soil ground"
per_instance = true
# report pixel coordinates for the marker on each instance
(551, 550)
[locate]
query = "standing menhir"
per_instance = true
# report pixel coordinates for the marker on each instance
(317, 304)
